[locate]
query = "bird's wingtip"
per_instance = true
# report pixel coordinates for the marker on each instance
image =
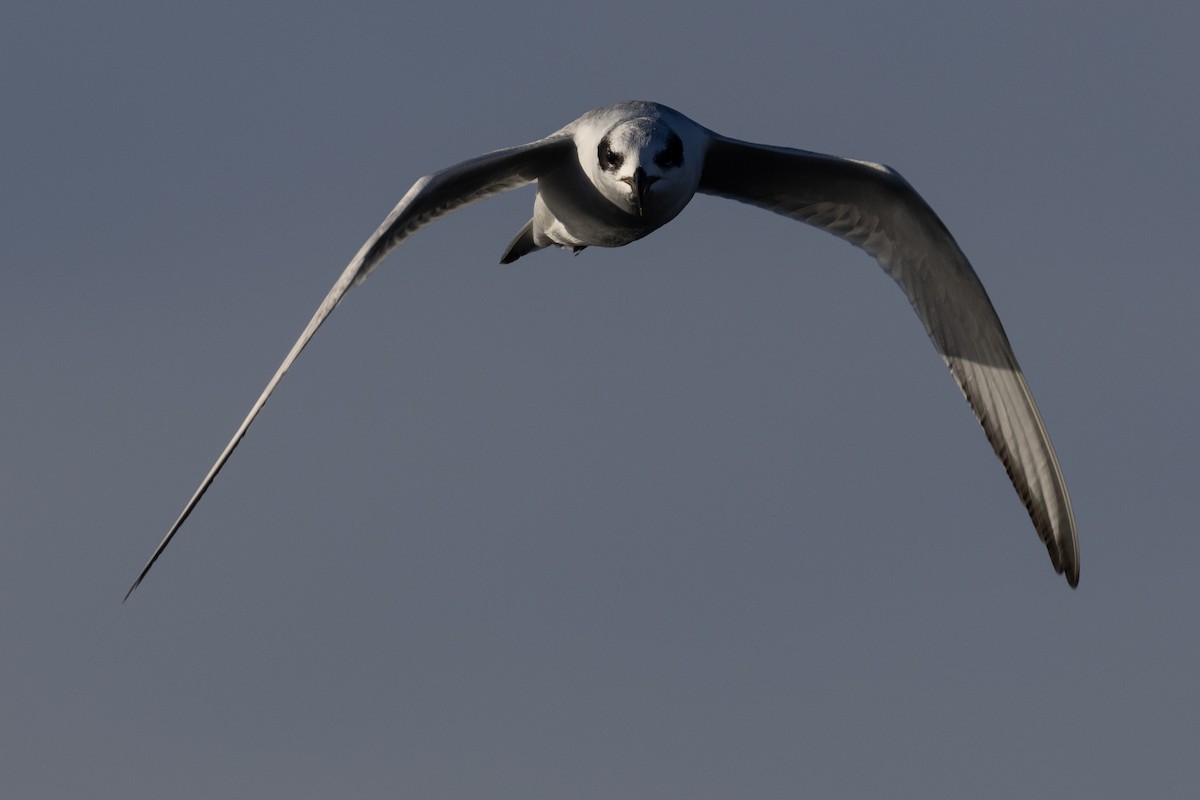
(1072, 573)
(140, 577)
(131, 588)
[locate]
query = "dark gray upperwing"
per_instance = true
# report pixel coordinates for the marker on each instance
(872, 207)
(431, 197)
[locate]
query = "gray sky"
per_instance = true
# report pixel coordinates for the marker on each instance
(701, 517)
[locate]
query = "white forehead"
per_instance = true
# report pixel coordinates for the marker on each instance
(635, 130)
(637, 134)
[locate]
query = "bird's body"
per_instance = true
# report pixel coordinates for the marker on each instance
(620, 172)
(615, 191)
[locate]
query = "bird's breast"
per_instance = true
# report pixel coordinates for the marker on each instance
(572, 212)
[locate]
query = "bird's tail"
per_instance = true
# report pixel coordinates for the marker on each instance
(521, 244)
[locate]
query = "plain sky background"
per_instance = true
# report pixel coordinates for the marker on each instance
(701, 517)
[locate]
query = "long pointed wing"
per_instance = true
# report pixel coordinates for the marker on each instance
(431, 197)
(872, 207)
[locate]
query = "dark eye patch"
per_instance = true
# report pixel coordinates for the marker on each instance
(672, 154)
(609, 160)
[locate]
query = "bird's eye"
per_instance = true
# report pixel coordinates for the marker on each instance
(672, 154)
(609, 159)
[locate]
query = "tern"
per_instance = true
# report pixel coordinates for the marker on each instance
(621, 172)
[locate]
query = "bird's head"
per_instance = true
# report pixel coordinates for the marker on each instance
(642, 168)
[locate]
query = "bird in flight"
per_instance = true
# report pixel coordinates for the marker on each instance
(621, 172)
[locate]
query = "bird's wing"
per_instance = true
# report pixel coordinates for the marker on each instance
(431, 197)
(872, 207)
